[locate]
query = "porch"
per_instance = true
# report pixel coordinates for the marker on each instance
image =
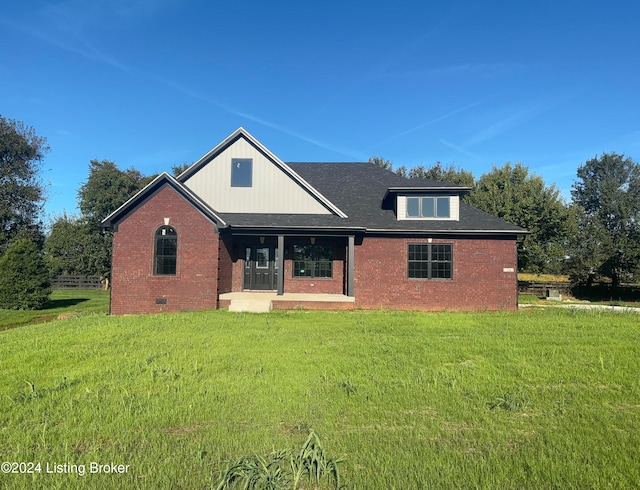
(319, 266)
(262, 302)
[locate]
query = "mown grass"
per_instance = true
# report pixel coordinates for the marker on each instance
(62, 303)
(530, 399)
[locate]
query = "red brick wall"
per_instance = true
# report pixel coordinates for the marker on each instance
(135, 289)
(479, 280)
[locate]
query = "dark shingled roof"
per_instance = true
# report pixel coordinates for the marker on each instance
(361, 191)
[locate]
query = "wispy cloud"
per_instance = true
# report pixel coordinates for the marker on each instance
(255, 118)
(462, 150)
(479, 70)
(431, 122)
(517, 118)
(67, 41)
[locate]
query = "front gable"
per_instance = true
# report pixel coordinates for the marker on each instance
(242, 176)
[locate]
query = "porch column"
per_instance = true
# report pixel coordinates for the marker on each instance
(280, 279)
(350, 266)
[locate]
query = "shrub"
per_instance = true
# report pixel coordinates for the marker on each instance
(24, 278)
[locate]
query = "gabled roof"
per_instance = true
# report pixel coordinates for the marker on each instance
(242, 133)
(162, 180)
(360, 189)
(359, 196)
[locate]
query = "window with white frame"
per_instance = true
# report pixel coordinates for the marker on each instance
(428, 207)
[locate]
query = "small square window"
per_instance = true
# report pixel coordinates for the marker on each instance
(241, 172)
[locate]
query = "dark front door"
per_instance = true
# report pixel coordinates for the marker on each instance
(260, 267)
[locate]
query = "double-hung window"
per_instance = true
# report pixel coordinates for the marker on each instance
(428, 207)
(430, 261)
(313, 261)
(166, 251)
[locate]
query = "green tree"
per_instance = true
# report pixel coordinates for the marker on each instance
(178, 169)
(511, 193)
(24, 279)
(450, 174)
(607, 193)
(74, 247)
(107, 188)
(382, 163)
(22, 192)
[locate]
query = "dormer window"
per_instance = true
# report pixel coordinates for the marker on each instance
(428, 207)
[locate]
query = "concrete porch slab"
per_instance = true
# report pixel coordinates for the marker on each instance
(272, 296)
(263, 302)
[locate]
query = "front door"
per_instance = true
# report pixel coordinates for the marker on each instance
(260, 267)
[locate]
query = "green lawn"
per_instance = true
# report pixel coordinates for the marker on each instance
(62, 303)
(530, 399)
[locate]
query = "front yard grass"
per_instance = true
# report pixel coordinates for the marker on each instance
(530, 399)
(62, 303)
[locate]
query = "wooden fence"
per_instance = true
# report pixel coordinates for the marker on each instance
(76, 282)
(627, 292)
(540, 288)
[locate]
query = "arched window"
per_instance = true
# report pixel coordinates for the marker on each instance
(166, 252)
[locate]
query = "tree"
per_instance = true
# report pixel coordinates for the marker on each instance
(21, 190)
(75, 247)
(450, 174)
(107, 188)
(607, 193)
(24, 279)
(382, 163)
(178, 169)
(525, 200)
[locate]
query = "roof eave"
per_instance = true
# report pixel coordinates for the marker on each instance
(241, 132)
(115, 217)
(427, 188)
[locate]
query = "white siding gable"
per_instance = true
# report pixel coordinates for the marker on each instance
(454, 209)
(272, 190)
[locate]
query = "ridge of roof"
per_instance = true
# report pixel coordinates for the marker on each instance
(243, 133)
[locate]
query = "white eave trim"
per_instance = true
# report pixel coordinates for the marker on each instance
(283, 166)
(179, 187)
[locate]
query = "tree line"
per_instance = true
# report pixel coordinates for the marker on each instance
(595, 236)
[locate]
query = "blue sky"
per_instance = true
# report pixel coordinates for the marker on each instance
(152, 84)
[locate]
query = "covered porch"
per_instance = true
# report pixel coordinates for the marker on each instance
(318, 265)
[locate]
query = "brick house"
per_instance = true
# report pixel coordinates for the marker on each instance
(240, 226)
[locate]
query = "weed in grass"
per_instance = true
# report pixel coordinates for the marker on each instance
(348, 388)
(26, 396)
(283, 470)
(510, 401)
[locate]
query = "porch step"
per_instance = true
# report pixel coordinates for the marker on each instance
(250, 305)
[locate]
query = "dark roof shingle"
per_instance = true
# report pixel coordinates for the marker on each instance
(361, 191)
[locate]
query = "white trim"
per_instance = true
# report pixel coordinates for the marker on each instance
(241, 132)
(174, 183)
(454, 208)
